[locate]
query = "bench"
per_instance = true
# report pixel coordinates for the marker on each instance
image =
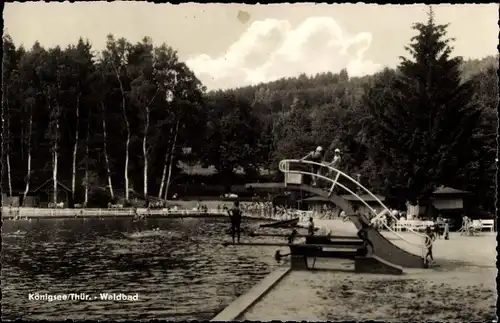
(300, 254)
(362, 262)
(415, 225)
(488, 224)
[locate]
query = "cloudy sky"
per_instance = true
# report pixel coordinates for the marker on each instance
(235, 45)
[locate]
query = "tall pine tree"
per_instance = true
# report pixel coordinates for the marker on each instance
(423, 119)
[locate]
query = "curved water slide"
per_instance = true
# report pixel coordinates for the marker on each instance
(406, 250)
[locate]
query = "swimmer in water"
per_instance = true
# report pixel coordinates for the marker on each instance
(136, 220)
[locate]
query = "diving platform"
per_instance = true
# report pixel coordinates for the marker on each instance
(295, 174)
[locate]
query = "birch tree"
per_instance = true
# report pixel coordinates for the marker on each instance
(183, 113)
(80, 68)
(100, 90)
(144, 91)
(174, 85)
(31, 94)
(86, 181)
(116, 56)
(10, 86)
(50, 75)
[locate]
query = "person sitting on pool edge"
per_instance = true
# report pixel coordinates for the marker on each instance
(235, 217)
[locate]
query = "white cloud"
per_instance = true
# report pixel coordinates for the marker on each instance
(271, 49)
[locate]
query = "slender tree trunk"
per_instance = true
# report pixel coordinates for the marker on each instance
(8, 174)
(7, 132)
(22, 136)
(127, 125)
(165, 165)
(145, 153)
(75, 147)
(127, 144)
(163, 175)
(55, 159)
(172, 151)
(86, 198)
(28, 173)
(54, 173)
(108, 168)
(145, 144)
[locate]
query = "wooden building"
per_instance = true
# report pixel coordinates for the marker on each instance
(445, 202)
(43, 195)
(10, 200)
(447, 199)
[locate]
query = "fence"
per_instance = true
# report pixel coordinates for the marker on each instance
(96, 212)
(122, 212)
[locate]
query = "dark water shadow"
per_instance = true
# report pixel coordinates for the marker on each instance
(183, 273)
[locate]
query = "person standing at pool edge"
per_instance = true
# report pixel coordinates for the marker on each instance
(235, 217)
(310, 227)
(315, 156)
(429, 239)
(363, 232)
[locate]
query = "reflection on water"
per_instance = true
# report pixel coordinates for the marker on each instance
(180, 273)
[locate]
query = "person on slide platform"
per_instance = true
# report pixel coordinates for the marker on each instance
(315, 156)
(335, 164)
(336, 159)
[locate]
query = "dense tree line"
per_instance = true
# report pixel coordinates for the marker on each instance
(123, 118)
(117, 118)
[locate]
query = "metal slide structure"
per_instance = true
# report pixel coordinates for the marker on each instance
(383, 247)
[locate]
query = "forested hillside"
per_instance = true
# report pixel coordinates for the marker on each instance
(123, 118)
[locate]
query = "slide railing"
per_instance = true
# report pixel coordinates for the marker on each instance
(284, 166)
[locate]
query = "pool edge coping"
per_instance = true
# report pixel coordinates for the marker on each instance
(243, 303)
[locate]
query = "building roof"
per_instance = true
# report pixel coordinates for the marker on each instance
(266, 186)
(448, 190)
(316, 199)
(364, 197)
(350, 198)
(48, 181)
(447, 208)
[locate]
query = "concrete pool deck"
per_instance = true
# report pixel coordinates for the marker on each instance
(245, 301)
(461, 287)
